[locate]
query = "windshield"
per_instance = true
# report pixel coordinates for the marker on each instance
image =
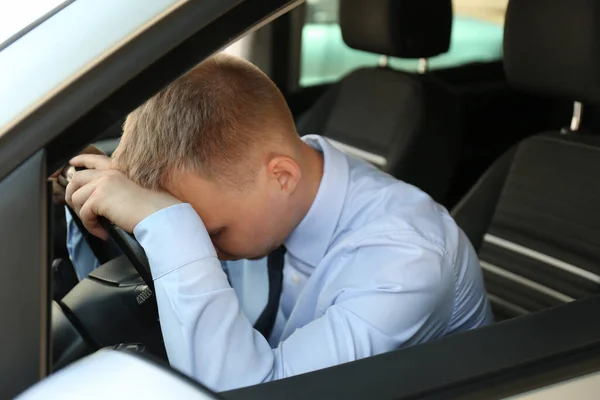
(19, 17)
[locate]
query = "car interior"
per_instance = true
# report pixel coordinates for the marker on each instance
(404, 123)
(510, 146)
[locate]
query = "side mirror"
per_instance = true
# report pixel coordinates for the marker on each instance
(115, 374)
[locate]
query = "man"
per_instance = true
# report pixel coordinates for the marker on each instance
(212, 167)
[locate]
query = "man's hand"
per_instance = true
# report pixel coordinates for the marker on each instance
(102, 191)
(59, 183)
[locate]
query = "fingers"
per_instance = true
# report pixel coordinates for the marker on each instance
(57, 173)
(90, 149)
(81, 179)
(88, 214)
(59, 184)
(58, 192)
(83, 197)
(91, 161)
(62, 181)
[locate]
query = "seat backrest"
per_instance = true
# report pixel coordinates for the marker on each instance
(535, 215)
(406, 124)
(535, 219)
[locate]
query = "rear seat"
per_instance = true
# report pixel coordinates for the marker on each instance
(535, 214)
(406, 124)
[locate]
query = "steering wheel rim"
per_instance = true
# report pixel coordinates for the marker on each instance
(124, 241)
(130, 247)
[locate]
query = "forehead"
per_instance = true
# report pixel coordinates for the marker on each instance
(181, 183)
(202, 193)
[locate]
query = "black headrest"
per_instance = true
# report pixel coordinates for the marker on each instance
(397, 28)
(553, 47)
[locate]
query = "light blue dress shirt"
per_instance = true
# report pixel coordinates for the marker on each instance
(375, 265)
(81, 255)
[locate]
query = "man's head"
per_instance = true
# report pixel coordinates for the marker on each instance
(222, 138)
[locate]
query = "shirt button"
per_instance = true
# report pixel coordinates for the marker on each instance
(296, 278)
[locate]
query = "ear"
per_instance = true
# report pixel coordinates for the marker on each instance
(285, 173)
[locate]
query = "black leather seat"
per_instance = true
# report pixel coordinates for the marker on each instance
(535, 214)
(407, 124)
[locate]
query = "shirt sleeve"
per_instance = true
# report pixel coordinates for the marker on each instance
(81, 255)
(208, 337)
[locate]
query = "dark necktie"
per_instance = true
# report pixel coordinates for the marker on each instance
(264, 323)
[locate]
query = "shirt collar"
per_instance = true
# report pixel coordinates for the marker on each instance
(310, 240)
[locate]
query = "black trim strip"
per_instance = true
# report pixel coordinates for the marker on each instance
(520, 380)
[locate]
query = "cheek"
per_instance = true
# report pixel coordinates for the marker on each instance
(254, 226)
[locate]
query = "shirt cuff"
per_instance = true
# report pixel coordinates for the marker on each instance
(173, 237)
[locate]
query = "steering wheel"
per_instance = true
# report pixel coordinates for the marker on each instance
(115, 305)
(122, 240)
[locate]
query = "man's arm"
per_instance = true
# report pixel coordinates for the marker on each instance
(209, 338)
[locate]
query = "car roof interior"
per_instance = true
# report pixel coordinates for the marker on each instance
(511, 147)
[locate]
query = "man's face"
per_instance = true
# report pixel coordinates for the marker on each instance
(242, 223)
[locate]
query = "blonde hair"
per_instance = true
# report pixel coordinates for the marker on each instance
(211, 120)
